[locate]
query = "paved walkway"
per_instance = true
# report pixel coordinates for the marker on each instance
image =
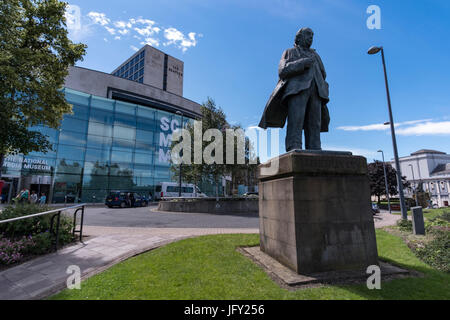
(105, 247)
(47, 275)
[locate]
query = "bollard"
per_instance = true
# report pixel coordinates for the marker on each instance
(417, 221)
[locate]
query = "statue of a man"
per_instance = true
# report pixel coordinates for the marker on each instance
(301, 95)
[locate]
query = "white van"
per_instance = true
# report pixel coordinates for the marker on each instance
(171, 189)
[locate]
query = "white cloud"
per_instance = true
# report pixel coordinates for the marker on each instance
(176, 37)
(145, 21)
(110, 30)
(147, 31)
(426, 129)
(151, 41)
(134, 48)
(124, 31)
(122, 24)
(380, 126)
(99, 18)
(370, 127)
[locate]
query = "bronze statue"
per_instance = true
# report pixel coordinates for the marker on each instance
(301, 95)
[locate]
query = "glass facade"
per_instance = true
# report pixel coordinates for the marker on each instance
(134, 69)
(104, 145)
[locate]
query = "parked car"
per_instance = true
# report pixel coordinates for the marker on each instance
(171, 189)
(124, 199)
(375, 208)
(251, 195)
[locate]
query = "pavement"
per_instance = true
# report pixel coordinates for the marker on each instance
(104, 247)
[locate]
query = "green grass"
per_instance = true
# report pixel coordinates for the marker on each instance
(209, 267)
(429, 213)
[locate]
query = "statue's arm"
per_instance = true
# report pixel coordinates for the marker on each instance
(290, 69)
(321, 66)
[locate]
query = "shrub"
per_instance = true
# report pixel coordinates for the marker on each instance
(436, 252)
(42, 243)
(27, 226)
(404, 225)
(29, 236)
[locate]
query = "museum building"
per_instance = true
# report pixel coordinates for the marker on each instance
(117, 137)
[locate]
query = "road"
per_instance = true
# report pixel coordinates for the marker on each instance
(149, 217)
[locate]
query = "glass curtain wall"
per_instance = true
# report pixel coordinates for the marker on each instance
(104, 145)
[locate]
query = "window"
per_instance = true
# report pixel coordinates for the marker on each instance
(77, 98)
(119, 156)
(100, 129)
(70, 153)
(72, 138)
(99, 142)
(95, 155)
(75, 125)
(143, 158)
(172, 189)
(101, 116)
(79, 112)
(124, 133)
(102, 103)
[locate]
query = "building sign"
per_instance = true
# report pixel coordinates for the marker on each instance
(18, 162)
(165, 138)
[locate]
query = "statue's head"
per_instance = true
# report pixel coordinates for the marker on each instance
(304, 38)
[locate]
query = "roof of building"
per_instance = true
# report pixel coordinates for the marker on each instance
(441, 169)
(425, 151)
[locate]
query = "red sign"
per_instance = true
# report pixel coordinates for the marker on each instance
(2, 183)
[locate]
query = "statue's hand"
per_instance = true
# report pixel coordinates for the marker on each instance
(308, 62)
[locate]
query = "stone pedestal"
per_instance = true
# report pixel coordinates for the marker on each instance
(315, 212)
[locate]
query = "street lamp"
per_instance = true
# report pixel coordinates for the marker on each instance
(181, 162)
(386, 182)
(414, 181)
(375, 50)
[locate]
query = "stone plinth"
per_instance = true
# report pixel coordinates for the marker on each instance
(315, 212)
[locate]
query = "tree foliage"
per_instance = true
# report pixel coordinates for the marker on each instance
(377, 182)
(35, 54)
(214, 118)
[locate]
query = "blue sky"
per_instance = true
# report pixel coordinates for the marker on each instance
(231, 50)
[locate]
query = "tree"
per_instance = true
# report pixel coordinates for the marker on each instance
(35, 54)
(213, 118)
(377, 182)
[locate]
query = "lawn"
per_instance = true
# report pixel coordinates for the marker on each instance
(428, 213)
(209, 267)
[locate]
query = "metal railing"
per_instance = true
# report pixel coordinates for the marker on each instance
(54, 229)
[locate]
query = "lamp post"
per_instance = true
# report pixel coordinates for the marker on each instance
(181, 162)
(371, 51)
(414, 181)
(386, 183)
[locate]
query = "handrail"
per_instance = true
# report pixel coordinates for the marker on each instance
(57, 215)
(40, 214)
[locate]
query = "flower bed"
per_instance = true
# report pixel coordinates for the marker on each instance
(23, 239)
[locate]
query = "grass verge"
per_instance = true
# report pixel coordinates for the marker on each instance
(209, 267)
